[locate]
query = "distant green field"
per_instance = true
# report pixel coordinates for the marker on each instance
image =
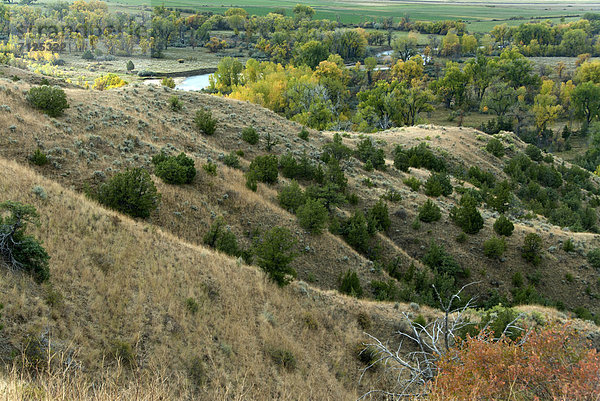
(480, 13)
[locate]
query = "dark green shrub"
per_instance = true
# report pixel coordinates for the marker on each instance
(534, 153)
(385, 290)
(368, 153)
(204, 122)
(88, 55)
(442, 262)
(335, 150)
(123, 352)
(532, 246)
(210, 238)
(379, 217)
(413, 183)
(52, 100)
(288, 165)
(250, 135)
(503, 226)
(227, 243)
(174, 169)
(19, 250)
(568, 245)
(429, 212)
(518, 280)
(270, 142)
(131, 192)
(175, 103)
(129, 66)
(38, 158)
(283, 358)
(420, 321)
(438, 184)
(497, 320)
(499, 198)
(312, 215)
(391, 195)
(350, 284)
(494, 247)
(466, 215)
(275, 252)
(264, 169)
(210, 168)
(461, 238)
(291, 196)
(419, 156)
(356, 232)
(232, 160)
(495, 147)
(303, 134)
(192, 305)
(481, 178)
(251, 183)
(593, 258)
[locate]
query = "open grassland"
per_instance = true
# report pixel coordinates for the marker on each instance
(355, 11)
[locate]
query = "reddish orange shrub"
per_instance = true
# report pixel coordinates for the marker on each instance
(553, 364)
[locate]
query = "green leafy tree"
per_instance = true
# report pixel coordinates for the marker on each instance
(275, 253)
(586, 99)
(19, 250)
(228, 75)
(131, 192)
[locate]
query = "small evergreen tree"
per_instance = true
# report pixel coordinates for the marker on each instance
(312, 215)
(174, 170)
(466, 216)
(52, 100)
(429, 212)
(494, 247)
(379, 216)
(495, 147)
(250, 135)
(205, 123)
(17, 249)
(130, 66)
(350, 284)
(438, 184)
(503, 226)
(131, 192)
(532, 246)
(291, 196)
(275, 252)
(264, 169)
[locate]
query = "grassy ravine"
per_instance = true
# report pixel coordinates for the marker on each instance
(116, 281)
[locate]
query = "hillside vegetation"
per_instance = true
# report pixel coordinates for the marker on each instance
(144, 301)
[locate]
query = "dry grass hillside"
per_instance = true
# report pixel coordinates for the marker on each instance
(123, 289)
(104, 132)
